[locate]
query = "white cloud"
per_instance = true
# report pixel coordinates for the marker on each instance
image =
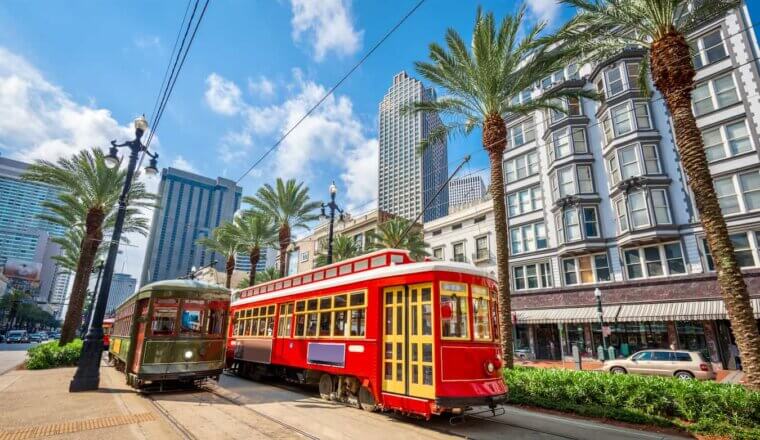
(330, 144)
(39, 120)
(544, 10)
(262, 87)
(327, 25)
(183, 164)
(147, 42)
(223, 96)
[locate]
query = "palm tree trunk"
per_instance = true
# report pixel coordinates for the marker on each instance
(230, 268)
(254, 257)
(92, 238)
(673, 75)
(494, 142)
(284, 237)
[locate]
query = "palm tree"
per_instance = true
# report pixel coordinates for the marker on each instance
(344, 247)
(481, 81)
(224, 240)
(288, 204)
(391, 235)
(89, 199)
(269, 274)
(603, 28)
(255, 231)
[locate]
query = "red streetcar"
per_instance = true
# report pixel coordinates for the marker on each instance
(379, 331)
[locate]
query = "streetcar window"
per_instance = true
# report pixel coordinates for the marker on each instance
(215, 320)
(311, 325)
(300, 325)
(339, 323)
(346, 268)
(311, 304)
(325, 303)
(341, 315)
(164, 317)
(191, 320)
(324, 323)
(357, 322)
(377, 261)
(481, 314)
(300, 306)
(285, 320)
(357, 299)
(340, 301)
(453, 311)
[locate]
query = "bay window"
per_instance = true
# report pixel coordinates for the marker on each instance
(572, 179)
(577, 223)
(522, 133)
(624, 76)
(527, 238)
(745, 249)
(726, 141)
(524, 201)
(739, 192)
(626, 118)
(571, 106)
(643, 208)
(566, 142)
(586, 269)
(521, 166)
(714, 94)
(708, 49)
(532, 276)
(654, 261)
(522, 97)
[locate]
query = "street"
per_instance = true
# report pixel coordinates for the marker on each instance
(11, 355)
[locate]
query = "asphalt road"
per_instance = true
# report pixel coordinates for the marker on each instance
(301, 409)
(11, 355)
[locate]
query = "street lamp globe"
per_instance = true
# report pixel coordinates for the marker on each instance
(112, 159)
(141, 125)
(333, 188)
(597, 293)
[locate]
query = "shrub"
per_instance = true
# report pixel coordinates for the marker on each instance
(703, 407)
(51, 355)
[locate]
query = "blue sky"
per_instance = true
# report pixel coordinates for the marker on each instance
(74, 74)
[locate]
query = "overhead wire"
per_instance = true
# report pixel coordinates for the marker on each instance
(331, 90)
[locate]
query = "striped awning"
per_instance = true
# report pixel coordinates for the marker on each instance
(679, 311)
(565, 315)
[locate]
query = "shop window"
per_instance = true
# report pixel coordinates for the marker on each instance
(691, 337)
(454, 311)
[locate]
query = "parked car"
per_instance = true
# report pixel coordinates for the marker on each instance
(673, 363)
(35, 337)
(43, 336)
(17, 336)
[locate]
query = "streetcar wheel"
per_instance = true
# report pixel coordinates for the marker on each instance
(326, 387)
(367, 400)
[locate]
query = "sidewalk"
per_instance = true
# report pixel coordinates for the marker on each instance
(38, 404)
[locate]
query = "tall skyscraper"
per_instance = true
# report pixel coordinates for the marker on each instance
(465, 189)
(122, 287)
(408, 179)
(25, 239)
(266, 259)
(191, 206)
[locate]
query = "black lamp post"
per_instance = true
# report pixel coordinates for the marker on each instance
(99, 269)
(87, 376)
(600, 314)
(333, 207)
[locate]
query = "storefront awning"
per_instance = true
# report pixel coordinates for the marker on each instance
(565, 315)
(679, 311)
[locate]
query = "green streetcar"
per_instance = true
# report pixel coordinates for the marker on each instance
(172, 330)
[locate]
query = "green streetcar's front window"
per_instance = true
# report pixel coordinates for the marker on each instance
(191, 319)
(215, 318)
(164, 317)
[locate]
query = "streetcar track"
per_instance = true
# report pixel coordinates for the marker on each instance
(174, 422)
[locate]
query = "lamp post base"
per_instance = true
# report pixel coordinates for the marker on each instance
(87, 376)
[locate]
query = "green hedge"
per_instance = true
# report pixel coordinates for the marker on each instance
(51, 355)
(702, 407)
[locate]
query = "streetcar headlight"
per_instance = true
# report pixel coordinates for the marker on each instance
(188, 354)
(490, 368)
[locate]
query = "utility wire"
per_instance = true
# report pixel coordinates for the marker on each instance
(332, 89)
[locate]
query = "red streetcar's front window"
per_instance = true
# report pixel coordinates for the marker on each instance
(481, 313)
(454, 311)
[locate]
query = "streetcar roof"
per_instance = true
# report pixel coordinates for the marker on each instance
(381, 272)
(180, 285)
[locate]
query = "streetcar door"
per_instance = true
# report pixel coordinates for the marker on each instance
(408, 343)
(394, 335)
(141, 310)
(421, 379)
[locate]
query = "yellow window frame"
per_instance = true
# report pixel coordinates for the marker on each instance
(481, 293)
(319, 310)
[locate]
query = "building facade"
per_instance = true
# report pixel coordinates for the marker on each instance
(466, 235)
(267, 258)
(190, 207)
(26, 240)
(409, 179)
(122, 287)
(597, 198)
(306, 250)
(465, 190)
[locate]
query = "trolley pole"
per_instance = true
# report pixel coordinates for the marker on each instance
(87, 376)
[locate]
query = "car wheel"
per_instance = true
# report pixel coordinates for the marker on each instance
(684, 375)
(618, 370)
